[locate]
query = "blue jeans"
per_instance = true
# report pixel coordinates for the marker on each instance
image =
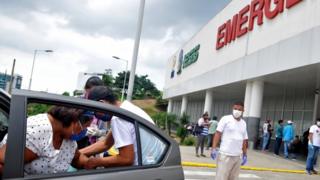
(286, 148)
(266, 137)
(312, 156)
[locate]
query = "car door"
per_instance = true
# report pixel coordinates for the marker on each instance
(160, 161)
(4, 113)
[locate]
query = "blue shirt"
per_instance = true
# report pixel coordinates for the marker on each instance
(288, 133)
(279, 131)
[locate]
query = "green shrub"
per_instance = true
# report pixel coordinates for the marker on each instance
(189, 141)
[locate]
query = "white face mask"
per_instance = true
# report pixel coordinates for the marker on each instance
(318, 123)
(236, 114)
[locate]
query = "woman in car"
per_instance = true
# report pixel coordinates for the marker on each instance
(51, 141)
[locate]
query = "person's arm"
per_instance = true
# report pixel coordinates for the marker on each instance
(124, 158)
(79, 160)
(245, 146)
(310, 137)
(99, 146)
(216, 139)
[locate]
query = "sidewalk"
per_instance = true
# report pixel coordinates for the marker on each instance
(255, 159)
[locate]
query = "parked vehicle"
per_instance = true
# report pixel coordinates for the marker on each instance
(13, 115)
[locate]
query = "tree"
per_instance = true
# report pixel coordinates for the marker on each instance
(181, 130)
(66, 93)
(108, 80)
(143, 87)
(165, 121)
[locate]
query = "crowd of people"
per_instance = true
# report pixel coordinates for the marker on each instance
(65, 139)
(230, 134)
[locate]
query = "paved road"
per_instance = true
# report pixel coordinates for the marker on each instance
(256, 159)
(194, 173)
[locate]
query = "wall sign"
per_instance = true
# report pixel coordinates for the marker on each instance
(258, 9)
(191, 57)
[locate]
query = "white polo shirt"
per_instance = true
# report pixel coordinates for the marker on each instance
(315, 130)
(233, 134)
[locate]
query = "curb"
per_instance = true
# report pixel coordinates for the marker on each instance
(193, 164)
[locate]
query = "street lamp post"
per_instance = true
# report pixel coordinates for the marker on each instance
(34, 59)
(135, 51)
(125, 75)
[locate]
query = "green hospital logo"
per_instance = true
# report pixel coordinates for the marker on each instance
(191, 57)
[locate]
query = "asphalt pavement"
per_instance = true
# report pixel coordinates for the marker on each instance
(256, 159)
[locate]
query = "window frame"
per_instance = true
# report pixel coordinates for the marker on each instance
(161, 162)
(14, 165)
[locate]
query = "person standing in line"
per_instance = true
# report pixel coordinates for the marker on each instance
(313, 147)
(232, 131)
(288, 136)
(279, 136)
(212, 129)
(203, 124)
(266, 134)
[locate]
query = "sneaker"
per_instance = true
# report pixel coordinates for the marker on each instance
(197, 155)
(314, 171)
(308, 172)
(203, 155)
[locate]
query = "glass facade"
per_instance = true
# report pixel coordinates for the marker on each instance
(5, 81)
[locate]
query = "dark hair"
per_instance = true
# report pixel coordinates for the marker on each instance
(239, 103)
(318, 119)
(280, 121)
(102, 93)
(92, 82)
(66, 115)
(214, 118)
(205, 114)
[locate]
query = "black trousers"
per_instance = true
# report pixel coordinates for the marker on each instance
(277, 145)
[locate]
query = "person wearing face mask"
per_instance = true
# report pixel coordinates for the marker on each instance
(51, 141)
(98, 127)
(232, 131)
(313, 147)
(122, 135)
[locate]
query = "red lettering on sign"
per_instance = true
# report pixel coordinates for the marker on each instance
(231, 27)
(237, 27)
(256, 12)
(270, 14)
(242, 19)
(291, 3)
(220, 36)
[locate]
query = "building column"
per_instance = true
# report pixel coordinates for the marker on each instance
(169, 108)
(255, 109)
(208, 102)
(184, 104)
(247, 99)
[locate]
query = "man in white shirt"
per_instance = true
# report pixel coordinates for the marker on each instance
(232, 131)
(313, 147)
(122, 135)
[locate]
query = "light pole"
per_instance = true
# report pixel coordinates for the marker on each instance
(34, 59)
(135, 51)
(125, 75)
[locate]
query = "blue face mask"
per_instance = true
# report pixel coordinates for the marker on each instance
(104, 117)
(81, 135)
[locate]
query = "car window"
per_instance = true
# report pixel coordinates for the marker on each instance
(153, 148)
(52, 160)
(3, 124)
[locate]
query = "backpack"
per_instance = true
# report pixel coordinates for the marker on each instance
(197, 130)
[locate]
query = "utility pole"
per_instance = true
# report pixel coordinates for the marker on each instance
(135, 51)
(12, 76)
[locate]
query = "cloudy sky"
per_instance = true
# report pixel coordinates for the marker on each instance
(84, 34)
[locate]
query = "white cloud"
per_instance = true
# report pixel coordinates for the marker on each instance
(84, 35)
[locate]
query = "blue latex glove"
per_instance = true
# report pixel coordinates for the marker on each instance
(244, 160)
(214, 154)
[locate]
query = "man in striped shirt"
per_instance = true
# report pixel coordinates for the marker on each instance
(203, 122)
